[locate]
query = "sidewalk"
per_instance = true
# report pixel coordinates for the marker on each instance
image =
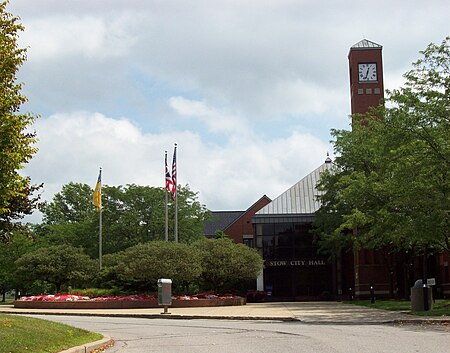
(306, 312)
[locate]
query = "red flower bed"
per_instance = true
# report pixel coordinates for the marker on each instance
(74, 301)
(56, 297)
(136, 297)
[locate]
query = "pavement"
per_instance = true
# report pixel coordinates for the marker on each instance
(332, 313)
(306, 312)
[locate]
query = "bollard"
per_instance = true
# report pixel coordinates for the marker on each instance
(372, 295)
(425, 297)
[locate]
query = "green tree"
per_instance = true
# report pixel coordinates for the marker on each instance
(391, 183)
(70, 218)
(140, 266)
(58, 265)
(132, 214)
(226, 264)
(16, 141)
(10, 251)
(73, 204)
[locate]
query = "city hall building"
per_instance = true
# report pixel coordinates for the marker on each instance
(294, 269)
(280, 229)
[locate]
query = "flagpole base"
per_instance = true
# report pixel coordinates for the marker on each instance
(166, 310)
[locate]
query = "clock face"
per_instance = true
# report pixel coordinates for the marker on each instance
(367, 72)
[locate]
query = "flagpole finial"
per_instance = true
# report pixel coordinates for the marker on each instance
(175, 144)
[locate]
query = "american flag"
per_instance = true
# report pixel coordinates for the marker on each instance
(169, 182)
(174, 172)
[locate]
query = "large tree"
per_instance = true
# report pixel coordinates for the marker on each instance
(16, 140)
(10, 251)
(70, 218)
(132, 214)
(391, 183)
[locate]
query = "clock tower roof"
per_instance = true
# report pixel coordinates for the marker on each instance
(365, 44)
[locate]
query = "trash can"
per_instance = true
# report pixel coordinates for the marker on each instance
(164, 291)
(417, 292)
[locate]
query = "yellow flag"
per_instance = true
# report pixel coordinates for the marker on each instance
(97, 196)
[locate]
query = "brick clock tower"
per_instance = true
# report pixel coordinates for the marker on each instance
(366, 75)
(371, 270)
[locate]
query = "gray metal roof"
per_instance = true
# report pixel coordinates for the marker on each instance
(301, 198)
(366, 44)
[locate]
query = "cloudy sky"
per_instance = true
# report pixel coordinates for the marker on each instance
(249, 90)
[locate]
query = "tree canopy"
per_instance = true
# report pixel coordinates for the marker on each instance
(226, 264)
(59, 265)
(132, 214)
(11, 251)
(16, 140)
(391, 182)
(142, 265)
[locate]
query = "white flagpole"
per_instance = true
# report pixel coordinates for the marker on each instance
(166, 234)
(100, 240)
(176, 218)
(176, 195)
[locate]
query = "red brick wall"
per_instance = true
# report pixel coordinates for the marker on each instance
(361, 102)
(243, 225)
(372, 269)
(127, 304)
(444, 269)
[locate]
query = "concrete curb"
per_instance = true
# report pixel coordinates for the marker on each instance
(158, 316)
(411, 321)
(106, 341)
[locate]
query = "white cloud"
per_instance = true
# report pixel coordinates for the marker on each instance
(217, 121)
(73, 146)
(261, 59)
(86, 36)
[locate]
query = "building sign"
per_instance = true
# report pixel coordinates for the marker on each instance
(431, 281)
(286, 263)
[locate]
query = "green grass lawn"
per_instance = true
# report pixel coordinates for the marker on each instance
(440, 307)
(20, 334)
(8, 301)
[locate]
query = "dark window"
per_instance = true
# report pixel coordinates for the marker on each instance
(267, 229)
(249, 242)
(286, 241)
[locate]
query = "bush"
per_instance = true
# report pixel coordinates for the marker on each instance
(226, 265)
(60, 265)
(140, 266)
(96, 292)
(208, 264)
